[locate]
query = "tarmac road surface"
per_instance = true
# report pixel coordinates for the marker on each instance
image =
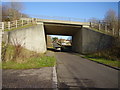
(76, 72)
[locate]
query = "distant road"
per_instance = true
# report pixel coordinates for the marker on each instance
(76, 72)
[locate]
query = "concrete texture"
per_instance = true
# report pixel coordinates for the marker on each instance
(0, 43)
(61, 29)
(84, 40)
(77, 41)
(0, 59)
(76, 72)
(32, 38)
(88, 41)
(85, 24)
(5, 37)
(93, 41)
(29, 78)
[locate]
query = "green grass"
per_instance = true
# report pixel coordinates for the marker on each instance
(114, 63)
(26, 59)
(34, 62)
(101, 31)
(26, 26)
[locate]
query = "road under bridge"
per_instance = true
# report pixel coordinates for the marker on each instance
(84, 39)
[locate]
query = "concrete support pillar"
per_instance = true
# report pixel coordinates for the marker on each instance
(77, 42)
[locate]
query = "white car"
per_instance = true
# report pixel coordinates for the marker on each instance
(58, 48)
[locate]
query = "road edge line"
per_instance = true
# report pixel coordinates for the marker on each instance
(55, 81)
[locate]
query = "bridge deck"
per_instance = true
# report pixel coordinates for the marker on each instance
(63, 22)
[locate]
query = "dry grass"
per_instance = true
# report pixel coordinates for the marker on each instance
(25, 59)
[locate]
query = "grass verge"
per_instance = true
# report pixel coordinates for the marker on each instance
(20, 27)
(113, 63)
(34, 62)
(103, 31)
(26, 59)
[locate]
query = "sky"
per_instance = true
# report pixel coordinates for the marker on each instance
(81, 10)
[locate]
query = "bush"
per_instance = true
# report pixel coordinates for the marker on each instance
(108, 54)
(17, 57)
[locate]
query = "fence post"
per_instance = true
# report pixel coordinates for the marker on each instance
(9, 25)
(22, 22)
(99, 26)
(113, 31)
(119, 32)
(27, 21)
(35, 20)
(106, 28)
(3, 25)
(90, 24)
(16, 23)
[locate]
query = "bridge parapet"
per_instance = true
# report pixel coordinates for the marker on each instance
(99, 27)
(64, 22)
(15, 24)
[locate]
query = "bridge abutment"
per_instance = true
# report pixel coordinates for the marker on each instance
(32, 38)
(88, 41)
(84, 39)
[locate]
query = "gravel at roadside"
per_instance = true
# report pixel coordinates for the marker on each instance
(29, 78)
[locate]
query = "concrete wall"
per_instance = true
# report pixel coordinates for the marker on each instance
(84, 40)
(77, 41)
(0, 59)
(88, 41)
(93, 41)
(0, 44)
(32, 38)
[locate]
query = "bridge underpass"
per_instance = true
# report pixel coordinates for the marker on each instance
(84, 39)
(61, 29)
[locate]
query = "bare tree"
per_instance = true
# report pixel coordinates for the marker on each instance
(94, 22)
(111, 19)
(12, 11)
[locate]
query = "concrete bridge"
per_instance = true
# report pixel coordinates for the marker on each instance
(84, 40)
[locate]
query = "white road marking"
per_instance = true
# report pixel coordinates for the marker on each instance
(55, 82)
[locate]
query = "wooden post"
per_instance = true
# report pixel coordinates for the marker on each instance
(22, 22)
(3, 25)
(119, 32)
(113, 31)
(99, 26)
(32, 20)
(90, 24)
(106, 28)
(36, 20)
(16, 23)
(9, 25)
(27, 21)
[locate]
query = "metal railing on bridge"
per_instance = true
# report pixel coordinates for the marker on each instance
(60, 18)
(101, 27)
(26, 21)
(16, 24)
